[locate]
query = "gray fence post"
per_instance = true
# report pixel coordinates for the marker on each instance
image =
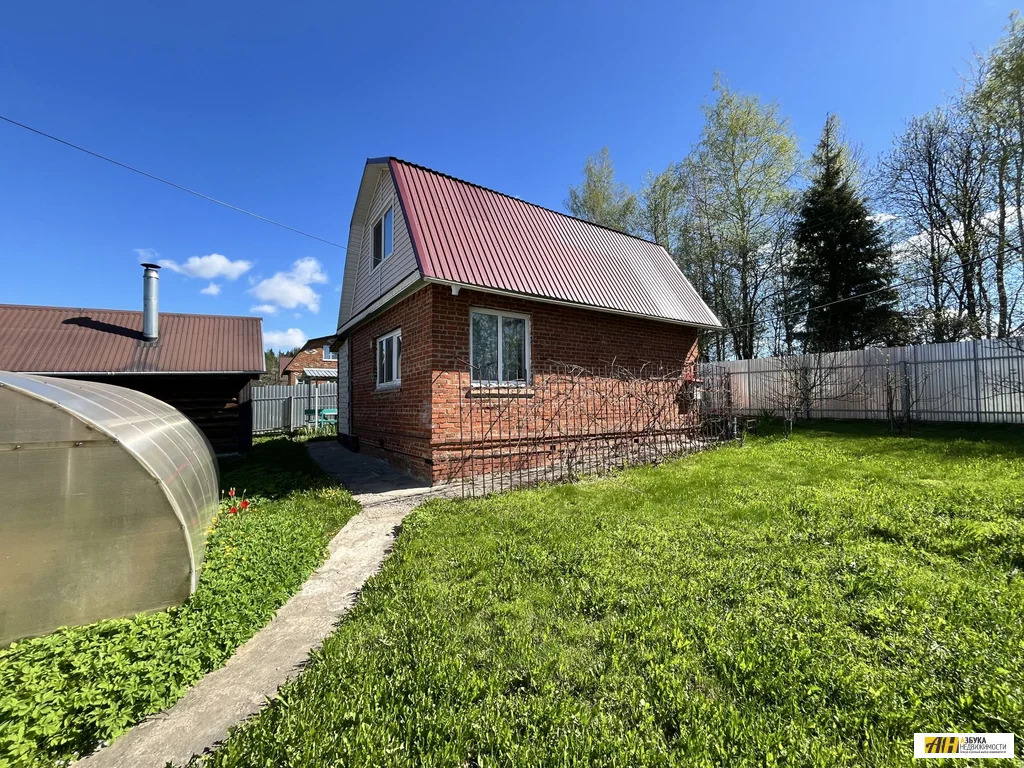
(977, 382)
(906, 391)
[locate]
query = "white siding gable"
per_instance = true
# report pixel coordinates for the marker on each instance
(365, 283)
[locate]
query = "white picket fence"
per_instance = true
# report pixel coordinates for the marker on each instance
(283, 408)
(970, 381)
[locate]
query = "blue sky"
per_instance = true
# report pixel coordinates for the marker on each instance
(275, 107)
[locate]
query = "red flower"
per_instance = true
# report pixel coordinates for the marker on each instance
(231, 493)
(244, 504)
(233, 510)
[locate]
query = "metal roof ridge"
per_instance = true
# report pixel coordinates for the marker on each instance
(517, 199)
(133, 311)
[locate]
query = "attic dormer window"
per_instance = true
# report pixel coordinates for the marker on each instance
(383, 237)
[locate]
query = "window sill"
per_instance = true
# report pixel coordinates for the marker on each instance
(384, 389)
(507, 391)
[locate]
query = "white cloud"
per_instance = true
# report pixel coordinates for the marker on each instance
(263, 309)
(293, 288)
(293, 337)
(211, 290)
(147, 254)
(209, 267)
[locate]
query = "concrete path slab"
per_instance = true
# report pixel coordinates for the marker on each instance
(278, 652)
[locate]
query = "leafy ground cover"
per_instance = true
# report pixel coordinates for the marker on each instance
(812, 601)
(62, 694)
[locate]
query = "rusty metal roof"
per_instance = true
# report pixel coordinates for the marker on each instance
(465, 234)
(70, 340)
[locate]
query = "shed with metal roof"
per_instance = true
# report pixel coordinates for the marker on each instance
(200, 364)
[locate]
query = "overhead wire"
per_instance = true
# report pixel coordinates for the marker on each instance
(324, 240)
(889, 287)
(170, 183)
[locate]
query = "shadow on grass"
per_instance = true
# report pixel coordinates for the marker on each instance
(274, 469)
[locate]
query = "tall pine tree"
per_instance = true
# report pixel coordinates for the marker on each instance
(840, 252)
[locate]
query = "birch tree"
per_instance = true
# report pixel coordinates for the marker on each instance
(599, 198)
(737, 187)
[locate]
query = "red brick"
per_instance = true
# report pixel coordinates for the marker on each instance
(418, 427)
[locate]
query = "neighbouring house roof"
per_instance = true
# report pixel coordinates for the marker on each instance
(73, 340)
(320, 373)
(319, 341)
(314, 343)
(467, 235)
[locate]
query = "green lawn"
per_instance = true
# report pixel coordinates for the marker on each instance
(62, 694)
(805, 602)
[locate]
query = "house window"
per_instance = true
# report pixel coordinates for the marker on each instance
(383, 237)
(389, 359)
(329, 354)
(499, 347)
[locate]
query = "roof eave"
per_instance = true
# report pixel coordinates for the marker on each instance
(253, 373)
(574, 304)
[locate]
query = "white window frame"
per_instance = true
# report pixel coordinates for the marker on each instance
(500, 313)
(384, 253)
(396, 361)
(328, 351)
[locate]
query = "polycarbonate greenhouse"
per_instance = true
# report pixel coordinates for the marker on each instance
(106, 495)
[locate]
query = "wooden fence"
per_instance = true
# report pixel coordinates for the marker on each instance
(970, 381)
(282, 408)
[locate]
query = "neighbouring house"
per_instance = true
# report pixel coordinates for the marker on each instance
(200, 364)
(470, 318)
(316, 361)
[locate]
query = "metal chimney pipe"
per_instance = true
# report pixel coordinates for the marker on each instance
(150, 312)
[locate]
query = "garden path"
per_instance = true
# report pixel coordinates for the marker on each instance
(278, 652)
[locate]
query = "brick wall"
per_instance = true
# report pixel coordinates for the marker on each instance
(307, 358)
(559, 336)
(395, 423)
(423, 425)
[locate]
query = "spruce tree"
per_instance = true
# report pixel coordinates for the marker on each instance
(840, 252)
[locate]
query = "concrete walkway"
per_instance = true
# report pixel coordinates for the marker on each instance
(278, 652)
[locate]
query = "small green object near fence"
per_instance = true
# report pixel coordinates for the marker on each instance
(326, 415)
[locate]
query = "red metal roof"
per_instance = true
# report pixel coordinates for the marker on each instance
(470, 235)
(70, 340)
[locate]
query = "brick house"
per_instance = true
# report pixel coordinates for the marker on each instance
(461, 304)
(315, 361)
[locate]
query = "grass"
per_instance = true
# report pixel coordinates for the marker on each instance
(63, 694)
(806, 602)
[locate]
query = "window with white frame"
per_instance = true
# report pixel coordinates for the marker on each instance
(329, 354)
(383, 237)
(389, 359)
(499, 347)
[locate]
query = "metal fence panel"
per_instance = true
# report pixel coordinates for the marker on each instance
(969, 381)
(283, 408)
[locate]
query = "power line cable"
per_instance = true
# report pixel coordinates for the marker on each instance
(324, 240)
(168, 182)
(848, 298)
